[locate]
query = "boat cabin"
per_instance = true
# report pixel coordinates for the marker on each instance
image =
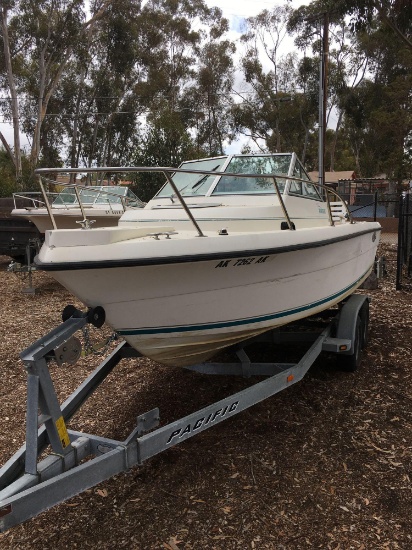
(247, 193)
(281, 165)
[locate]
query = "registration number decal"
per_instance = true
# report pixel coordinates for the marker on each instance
(242, 261)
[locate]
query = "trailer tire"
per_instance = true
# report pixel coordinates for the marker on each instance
(350, 363)
(364, 316)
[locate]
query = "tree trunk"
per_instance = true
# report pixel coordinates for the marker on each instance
(74, 156)
(16, 157)
(305, 143)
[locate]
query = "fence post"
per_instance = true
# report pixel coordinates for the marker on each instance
(407, 234)
(375, 206)
(399, 260)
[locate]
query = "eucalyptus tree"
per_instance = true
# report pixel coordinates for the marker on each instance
(189, 72)
(372, 80)
(347, 63)
(42, 37)
(164, 141)
(378, 113)
(278, 110)
(110, 106)
(8, 81)
(207, 102)
(188, 53)
(394, 14)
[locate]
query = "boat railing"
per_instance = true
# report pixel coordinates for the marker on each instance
(337, 209)
(35, 198)
(76, 196)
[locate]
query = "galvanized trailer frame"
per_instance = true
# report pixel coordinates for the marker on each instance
(29, 486)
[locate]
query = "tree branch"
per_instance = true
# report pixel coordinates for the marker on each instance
(8, 149)
(392, 25)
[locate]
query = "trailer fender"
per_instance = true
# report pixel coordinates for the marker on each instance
(356, 307)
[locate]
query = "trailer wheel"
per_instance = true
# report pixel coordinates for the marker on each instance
(350, 363)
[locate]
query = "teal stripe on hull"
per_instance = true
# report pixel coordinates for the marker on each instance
(239, 322)
(231, 219)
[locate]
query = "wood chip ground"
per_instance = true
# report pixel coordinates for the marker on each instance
(326, 464)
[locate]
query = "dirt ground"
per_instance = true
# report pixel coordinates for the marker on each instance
(325, 464)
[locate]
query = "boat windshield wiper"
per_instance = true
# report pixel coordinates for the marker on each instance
(196, 184)
(202, 179)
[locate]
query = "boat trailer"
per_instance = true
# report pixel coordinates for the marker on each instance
(29, 486)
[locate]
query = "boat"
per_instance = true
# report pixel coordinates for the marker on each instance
(102, 205)
(229, 248)
(15, 234)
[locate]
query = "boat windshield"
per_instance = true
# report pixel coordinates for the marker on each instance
(279, 165)
(101, 194)
(193, 184)
(254, 164)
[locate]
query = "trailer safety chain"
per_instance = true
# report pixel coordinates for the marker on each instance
(96, 349)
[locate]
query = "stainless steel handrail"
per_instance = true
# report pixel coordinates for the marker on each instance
(167, 171)
(46, 200)
(183, 203)
(125, 202)
(282, 204)
(27, 196)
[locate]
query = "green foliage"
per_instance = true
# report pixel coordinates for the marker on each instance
(164, 142)
(8, 182)
(378, 116)
(7, 175)
(152, 83)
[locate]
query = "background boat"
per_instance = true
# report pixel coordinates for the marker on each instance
(104, 204)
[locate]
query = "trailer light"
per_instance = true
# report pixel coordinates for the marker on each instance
(343, 347)
(290, 378)
(5, 510)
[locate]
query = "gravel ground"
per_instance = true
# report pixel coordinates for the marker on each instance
(325, 464)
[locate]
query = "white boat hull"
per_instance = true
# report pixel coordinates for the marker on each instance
(69, 219)
(180, 312)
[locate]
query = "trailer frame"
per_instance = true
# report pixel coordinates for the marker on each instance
(29, 486)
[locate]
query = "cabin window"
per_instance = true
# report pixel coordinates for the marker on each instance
(133, 200)
(303, 188)
(296, 188)
(310, 191)
(106, 198)
(275, 164)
